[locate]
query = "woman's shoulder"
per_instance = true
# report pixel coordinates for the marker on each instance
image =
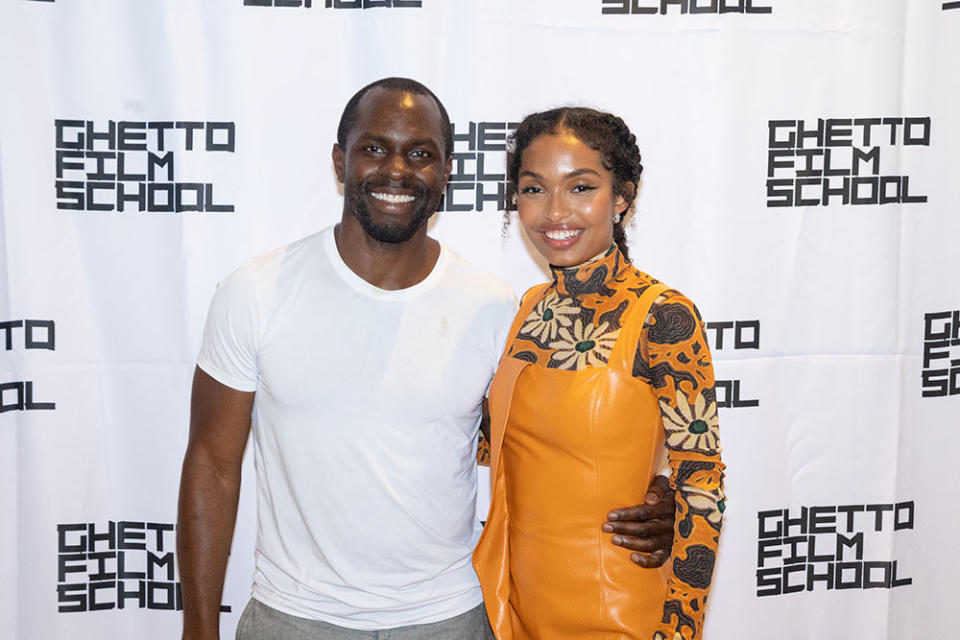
(671, 318)
(638, 282)
(535, 293)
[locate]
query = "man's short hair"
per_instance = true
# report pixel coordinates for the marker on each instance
(349, 117)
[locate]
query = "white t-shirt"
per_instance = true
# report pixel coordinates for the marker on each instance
(364, 429)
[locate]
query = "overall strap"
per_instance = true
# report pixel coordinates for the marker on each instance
(626, 346)
(501, 397)
(508, 370)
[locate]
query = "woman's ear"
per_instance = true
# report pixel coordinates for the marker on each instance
(624, 197)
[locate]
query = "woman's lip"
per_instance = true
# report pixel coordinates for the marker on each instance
(562, 238)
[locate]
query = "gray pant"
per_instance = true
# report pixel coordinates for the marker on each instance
(260, 622)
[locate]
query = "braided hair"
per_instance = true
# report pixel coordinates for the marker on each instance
(603, 132)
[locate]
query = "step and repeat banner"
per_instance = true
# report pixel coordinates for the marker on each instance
(800, 186)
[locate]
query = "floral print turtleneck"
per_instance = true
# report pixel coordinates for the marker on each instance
(575, 326)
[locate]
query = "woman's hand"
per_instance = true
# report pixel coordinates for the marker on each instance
(646, 529)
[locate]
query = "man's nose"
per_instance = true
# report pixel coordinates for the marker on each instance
(397, 165)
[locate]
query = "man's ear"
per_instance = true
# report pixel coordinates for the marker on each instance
(447, 170)
(338, 162)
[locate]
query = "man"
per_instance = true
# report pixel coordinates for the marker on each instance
(362, 353)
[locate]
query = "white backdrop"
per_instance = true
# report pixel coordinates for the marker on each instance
(835, 327)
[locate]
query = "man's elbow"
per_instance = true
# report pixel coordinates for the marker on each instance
(202, 468)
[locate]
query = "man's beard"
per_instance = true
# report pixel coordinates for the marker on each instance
(356, 203)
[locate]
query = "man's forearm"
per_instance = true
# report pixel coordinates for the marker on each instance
(207, 513)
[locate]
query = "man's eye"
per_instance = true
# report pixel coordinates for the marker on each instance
(420, 153)
(531, 189)
(373, 148)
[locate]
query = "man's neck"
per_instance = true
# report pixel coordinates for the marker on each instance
(386, 265)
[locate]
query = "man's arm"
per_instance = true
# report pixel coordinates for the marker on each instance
(209, 491)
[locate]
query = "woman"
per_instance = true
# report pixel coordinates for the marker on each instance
(603, 367)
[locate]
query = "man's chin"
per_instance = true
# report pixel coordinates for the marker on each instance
(390, 233)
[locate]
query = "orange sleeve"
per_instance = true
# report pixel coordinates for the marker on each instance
(674, 357)
(483, 450)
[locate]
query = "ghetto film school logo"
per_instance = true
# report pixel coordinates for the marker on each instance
(941, 365)
(478, 179)
(129, 166)
(663, 7)
(734, 335)
(120, 565)
(28, 335)
(337, 4)
(828, 548)
(838, 161)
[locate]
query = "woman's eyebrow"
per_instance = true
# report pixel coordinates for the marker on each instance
(572, 174)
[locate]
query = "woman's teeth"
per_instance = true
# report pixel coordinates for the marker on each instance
(393, 198)
(562, 235)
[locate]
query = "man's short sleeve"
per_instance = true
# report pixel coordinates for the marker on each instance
(506, 310)
(232, 333)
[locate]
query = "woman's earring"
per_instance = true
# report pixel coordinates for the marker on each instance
(616, 218)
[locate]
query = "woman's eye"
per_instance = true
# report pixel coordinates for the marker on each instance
(581, 188)
(531, 189)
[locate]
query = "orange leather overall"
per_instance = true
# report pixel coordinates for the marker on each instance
(566, 448)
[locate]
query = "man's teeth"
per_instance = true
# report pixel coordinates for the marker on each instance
(391, 197)
(562, 235)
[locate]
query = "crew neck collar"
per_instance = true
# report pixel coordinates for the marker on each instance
(372, 291)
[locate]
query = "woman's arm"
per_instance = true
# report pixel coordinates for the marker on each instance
(674, 357)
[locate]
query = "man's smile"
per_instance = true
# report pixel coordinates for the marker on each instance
(395, 198)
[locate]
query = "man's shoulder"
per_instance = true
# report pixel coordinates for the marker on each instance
(479, 281)
(285, 259)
